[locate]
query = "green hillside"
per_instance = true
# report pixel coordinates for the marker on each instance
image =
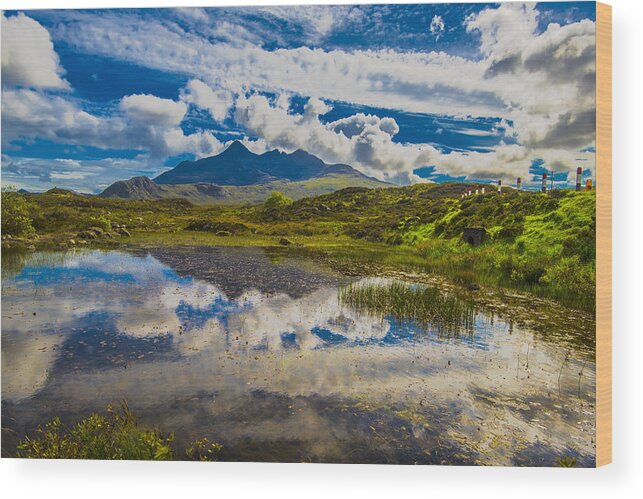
(544, 244)
(296, 190)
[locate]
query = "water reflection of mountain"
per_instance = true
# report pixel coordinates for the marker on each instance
(238, 270)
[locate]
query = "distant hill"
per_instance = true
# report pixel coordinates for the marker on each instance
(237, 175)
(134, 188)
(205, 193)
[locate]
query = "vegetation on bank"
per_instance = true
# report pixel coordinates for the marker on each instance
(544, 244)
(114, 435)
(16, 214)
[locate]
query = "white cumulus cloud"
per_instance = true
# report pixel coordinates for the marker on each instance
(216, 102)
(152, 110)
(28, 55)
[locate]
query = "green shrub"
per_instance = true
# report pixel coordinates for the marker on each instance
(274, 206)
(526, 270)
(116, 435)
(99, 221)
(45, 220)
(16, 219)
(570, 273)
(581, 243)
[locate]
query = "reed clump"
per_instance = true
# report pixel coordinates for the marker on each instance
(426, 306)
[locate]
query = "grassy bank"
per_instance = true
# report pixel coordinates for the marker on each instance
(542, 244)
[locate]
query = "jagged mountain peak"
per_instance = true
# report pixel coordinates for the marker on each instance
(237, 148)
(236, 166)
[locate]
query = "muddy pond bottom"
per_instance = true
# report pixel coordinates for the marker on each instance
(265, 354)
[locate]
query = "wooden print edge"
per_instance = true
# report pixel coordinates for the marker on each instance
(603, 234)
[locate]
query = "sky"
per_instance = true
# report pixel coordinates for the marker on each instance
(403, 93)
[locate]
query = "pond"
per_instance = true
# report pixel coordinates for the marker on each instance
(281, 359)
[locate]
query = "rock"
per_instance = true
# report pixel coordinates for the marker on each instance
(123, 232)
(31, 247)
(284, 241)
(87, 234)
(72, 242)
(223, 233)
(473, 287)
(82, 242)
(97, 230)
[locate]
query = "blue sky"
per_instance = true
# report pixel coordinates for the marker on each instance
(405, 93)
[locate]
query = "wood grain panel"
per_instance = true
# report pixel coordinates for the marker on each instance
(603, 234)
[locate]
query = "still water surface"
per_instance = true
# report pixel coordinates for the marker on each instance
(254, 350)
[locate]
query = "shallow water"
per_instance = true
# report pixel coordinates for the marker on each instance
(254, 350)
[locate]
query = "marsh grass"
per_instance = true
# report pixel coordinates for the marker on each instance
(15, 260)
(426, 306)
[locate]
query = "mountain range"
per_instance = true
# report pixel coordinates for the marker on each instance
(238, 175)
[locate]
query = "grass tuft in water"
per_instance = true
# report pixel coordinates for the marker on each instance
(425, 306)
